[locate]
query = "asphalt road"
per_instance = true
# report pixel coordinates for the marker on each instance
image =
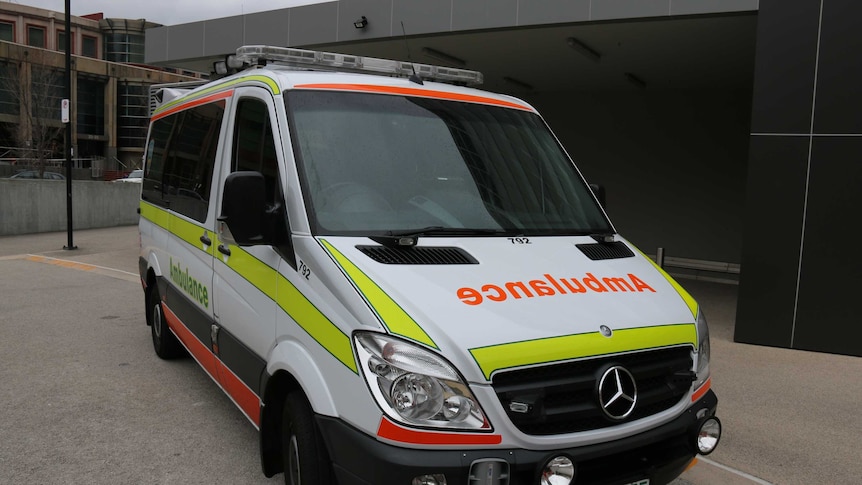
(83, 398)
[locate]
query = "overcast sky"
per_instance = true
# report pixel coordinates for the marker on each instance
(167, 12)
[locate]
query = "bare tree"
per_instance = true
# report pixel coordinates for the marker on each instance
(37, 87)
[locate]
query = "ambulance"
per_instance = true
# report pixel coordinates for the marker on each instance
(400, 279)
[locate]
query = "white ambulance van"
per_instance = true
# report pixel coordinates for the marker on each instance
(403, 280)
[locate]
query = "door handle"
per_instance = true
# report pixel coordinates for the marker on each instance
(223, 249)
(206, 240)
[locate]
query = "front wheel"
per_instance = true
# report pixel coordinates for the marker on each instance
(165, 343)
(306, 461)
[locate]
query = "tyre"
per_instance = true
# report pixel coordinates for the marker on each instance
(165, 343)
(306, 461)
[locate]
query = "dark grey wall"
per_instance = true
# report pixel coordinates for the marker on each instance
(332, 22)
(800, 274)
(673, 163)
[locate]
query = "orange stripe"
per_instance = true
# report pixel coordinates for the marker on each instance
(246, 400)
(392, 431)
(194, 103)
(421, 93)
(199, 351)
(702, 391)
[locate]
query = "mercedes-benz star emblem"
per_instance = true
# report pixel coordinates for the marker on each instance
(618, 393)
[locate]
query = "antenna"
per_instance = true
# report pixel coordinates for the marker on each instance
(415, 77)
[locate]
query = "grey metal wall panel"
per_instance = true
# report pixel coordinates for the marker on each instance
(378, 13)
(483, 14)
(422, 16)
(625, 9)
(156, 45)
(537, 12)
(774, 208)
(693, 7)
(784, 66)
(223, 36)
(186, 41)
(839, 75)
(313, 24)
(828, 316)
(267, 28)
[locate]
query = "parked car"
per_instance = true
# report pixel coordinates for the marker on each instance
(135, 177)
(34, 174)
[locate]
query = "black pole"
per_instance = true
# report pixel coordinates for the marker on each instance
(68, 144)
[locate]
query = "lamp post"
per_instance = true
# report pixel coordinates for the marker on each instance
(68, 144)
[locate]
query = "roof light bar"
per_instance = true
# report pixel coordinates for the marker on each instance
(301, 58)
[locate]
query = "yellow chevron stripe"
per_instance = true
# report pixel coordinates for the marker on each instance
(393, 317)
(689, 300)
(266, 279)
(543, 351)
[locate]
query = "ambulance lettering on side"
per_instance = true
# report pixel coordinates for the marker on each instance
(398, 278)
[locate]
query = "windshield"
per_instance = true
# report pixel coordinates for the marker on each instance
(374, 164)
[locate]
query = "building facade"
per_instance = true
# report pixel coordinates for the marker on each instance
(110, 86)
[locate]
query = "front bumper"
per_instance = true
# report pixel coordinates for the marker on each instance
(660, 454)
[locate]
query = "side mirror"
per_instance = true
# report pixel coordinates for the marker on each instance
(243, 209)
(599, 192)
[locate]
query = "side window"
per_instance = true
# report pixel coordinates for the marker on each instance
(180, 159)
(254, 146)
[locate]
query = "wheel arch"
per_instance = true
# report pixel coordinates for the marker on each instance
(291, 368)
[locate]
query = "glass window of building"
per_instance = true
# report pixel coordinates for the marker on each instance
(9, 104)
(89, 46)
(124, 48)
(7, 31)
(36, 36)
(46, 92)
(91, 106)
(132, 115)
(61, 42)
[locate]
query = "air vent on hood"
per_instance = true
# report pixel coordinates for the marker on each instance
(599, 251)
(417, 255)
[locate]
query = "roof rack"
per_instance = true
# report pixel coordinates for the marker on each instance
(330, 61)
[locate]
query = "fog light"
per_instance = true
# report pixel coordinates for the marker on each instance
(430, 480)
(559, 471)
(708, 435)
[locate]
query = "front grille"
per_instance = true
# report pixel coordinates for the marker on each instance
(563, 398)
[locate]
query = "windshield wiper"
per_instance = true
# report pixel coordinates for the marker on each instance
(409, 238)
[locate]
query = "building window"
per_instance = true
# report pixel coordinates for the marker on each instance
(124, 48)
(89, 47)
(133, 115)
(7, 31)
(10, 90)
(46, 91)
(36, 36)
(91, 106)
(61, 41)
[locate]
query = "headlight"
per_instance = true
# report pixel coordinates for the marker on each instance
(702, 351)
(415, 386)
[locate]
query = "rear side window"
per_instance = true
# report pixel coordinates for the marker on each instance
(180, 158)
